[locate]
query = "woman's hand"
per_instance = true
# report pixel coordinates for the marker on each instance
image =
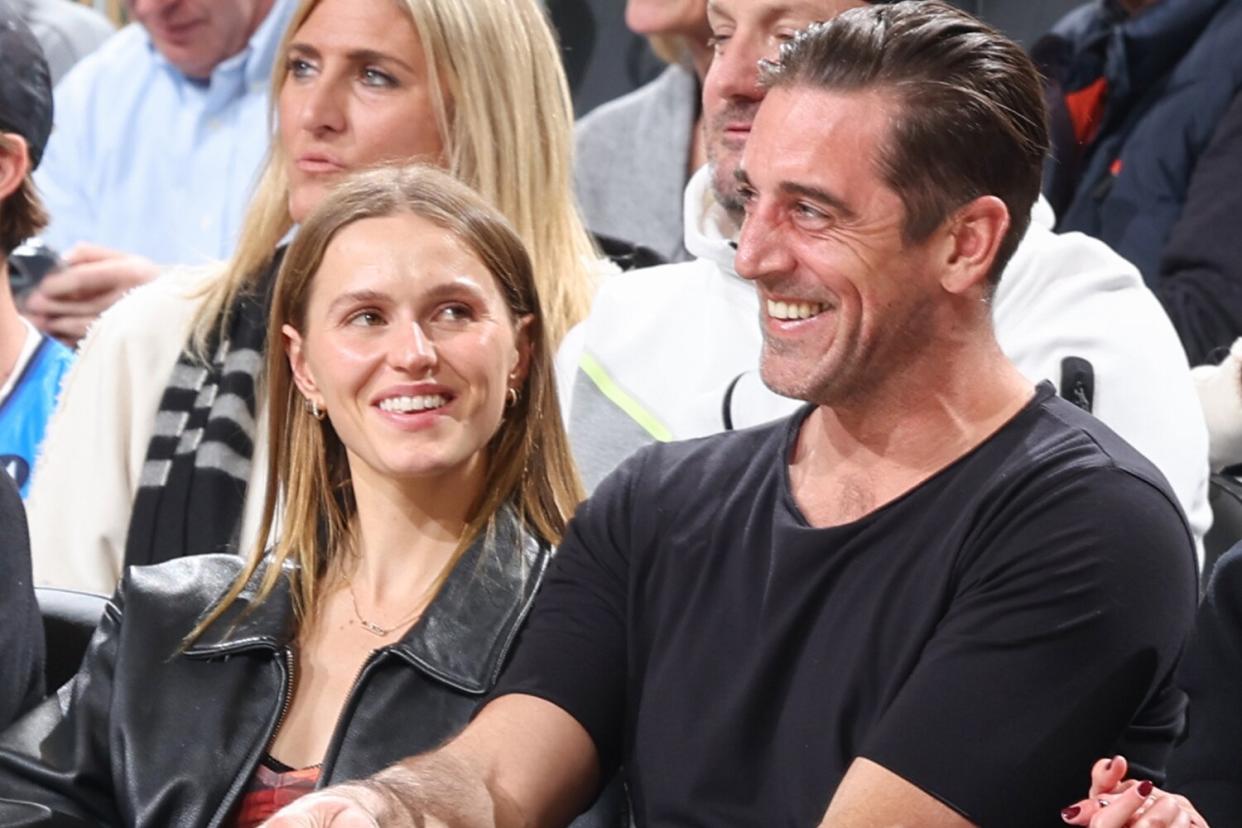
(1117, 802)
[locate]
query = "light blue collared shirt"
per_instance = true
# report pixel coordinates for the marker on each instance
(146, 160)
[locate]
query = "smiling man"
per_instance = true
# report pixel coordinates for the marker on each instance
(672, 352)
(927, 598)
(158, 137)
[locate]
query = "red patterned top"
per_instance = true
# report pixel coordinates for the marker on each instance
(273, 786)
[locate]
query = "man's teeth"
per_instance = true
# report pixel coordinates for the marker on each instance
(795, 310)
(404, 405)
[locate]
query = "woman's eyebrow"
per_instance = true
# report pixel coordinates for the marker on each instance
(353, 55)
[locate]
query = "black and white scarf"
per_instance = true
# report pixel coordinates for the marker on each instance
(193, 487)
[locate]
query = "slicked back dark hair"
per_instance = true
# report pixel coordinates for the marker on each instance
(970, 117)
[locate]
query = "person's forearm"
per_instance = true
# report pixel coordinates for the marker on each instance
(437, 789)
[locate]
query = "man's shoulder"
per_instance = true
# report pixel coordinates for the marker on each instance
(1062, 441)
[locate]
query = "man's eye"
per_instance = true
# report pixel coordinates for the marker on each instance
(717, 43)
(808, 212)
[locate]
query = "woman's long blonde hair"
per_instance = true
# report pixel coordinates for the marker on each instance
(505, 117)
(529, 466)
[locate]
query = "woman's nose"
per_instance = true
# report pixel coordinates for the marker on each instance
(411, 349)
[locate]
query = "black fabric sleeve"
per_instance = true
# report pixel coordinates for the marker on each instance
(573, 649)
(21, 627)
(1207, 765)
(1073, 607)
(56, 757)
(1200, 281)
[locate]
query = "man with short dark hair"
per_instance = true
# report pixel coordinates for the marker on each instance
(31, 364)
(932, 595)
(671, 353)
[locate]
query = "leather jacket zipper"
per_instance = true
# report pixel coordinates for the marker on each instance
(334, 743)
(247, 770)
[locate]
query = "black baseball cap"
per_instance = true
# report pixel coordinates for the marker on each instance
(25, 84)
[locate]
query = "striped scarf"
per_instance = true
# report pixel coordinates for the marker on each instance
(193, 486)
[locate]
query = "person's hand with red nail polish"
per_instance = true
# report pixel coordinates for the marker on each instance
(1117, 802)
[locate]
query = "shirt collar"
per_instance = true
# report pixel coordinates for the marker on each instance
(255, 60)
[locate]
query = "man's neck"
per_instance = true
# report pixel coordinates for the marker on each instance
(13, 330)
(853, 457)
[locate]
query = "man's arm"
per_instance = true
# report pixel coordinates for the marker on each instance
(522, 762)
(1058, 646)
(871, 796)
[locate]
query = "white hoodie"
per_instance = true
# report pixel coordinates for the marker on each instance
(662, 346)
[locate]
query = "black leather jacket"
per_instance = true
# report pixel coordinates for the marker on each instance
(157, 737)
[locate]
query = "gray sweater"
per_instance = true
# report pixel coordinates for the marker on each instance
(632, 162)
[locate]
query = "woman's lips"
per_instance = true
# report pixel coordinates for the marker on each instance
(319, 165)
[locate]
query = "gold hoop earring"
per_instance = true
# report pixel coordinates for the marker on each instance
(313, 409)
(511, 397)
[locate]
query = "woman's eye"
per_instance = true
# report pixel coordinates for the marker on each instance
(455, 313)
(297, 67)
(375, 77)
(366, 319)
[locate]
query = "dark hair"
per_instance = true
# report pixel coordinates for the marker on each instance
(971, 119)
(22, 213)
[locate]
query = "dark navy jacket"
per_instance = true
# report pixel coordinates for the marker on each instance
(1146, 150)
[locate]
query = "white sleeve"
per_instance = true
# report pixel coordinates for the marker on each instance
(1220, 393)
(88, 470)
(568, 355)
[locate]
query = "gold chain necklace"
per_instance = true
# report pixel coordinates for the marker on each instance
(376, 629)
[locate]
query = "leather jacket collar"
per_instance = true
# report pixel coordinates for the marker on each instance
(462, 637)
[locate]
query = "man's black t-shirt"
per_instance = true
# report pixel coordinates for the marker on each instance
(985, 636)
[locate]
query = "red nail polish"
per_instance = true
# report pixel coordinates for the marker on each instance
(1144, 788)
(1070, 812)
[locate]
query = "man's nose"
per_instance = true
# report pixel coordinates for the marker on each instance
(734, 71)
(145, 8)
(762, 250)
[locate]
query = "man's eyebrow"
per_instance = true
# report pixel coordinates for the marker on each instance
(354, 55)
(817, 194)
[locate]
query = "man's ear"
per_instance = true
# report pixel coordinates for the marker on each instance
(295, 350)
(14, 163)
(973, 236)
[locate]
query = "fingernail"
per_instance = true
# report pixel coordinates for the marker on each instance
(1144, 788)
(1070, 812)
